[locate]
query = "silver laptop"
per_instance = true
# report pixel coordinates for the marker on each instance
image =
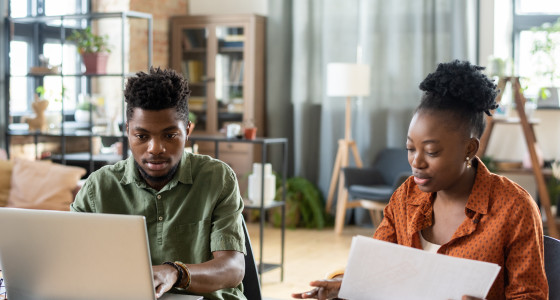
(52, 255)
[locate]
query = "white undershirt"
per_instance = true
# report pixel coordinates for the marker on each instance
(427, 246)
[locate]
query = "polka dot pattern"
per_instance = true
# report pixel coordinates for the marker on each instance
(502, 226)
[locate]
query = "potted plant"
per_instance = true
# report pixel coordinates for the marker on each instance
(84, 110)
(546, 52)
(553, 186)
(304, 205)
(93, 48)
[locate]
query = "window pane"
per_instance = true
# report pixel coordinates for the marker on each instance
(18, 8)
(538, 67)
(539, 6)
(52, 51)
(60, 7)
(18, 58)
(18, 67)
(53, 85)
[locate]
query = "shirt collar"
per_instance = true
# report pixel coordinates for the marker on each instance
(477, 202)
(183, 174)
(480, 192)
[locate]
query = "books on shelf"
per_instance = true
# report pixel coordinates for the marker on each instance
(236, 71)
(197, 103)
(234, 38)
(194, 38)
(193, 70)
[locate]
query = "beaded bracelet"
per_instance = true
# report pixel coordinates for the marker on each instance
(187, 272)
(179, 270)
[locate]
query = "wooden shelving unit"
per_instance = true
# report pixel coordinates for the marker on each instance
(530, 139)
(223, 58)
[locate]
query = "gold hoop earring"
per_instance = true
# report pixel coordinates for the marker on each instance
(468, 162)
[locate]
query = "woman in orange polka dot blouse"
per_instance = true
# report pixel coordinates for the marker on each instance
(452, 204)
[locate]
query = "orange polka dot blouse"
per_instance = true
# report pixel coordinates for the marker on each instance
(502, 226)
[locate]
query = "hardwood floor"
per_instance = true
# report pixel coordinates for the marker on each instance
(309, 255)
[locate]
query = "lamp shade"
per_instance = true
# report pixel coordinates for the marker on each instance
(347, 80)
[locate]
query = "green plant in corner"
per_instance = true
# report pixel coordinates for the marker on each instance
(192, 117)
(304, 205)
(489, 163)
(553, 184)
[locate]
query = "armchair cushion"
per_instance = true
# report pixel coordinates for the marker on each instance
(378, 182)
(371, 192)
(363, 176)
(5, 180)
(43, 185)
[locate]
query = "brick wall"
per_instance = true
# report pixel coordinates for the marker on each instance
(161, 11)
(136, 53)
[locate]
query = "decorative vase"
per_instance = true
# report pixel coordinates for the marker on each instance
(255, 184)
(96, 62)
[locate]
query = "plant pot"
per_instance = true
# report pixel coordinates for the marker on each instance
(96, 63)
(250, 133)
(81, 116)
(548, 97)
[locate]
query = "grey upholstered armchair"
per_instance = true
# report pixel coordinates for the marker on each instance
(374, 186)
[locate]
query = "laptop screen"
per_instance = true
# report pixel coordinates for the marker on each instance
(64, 255)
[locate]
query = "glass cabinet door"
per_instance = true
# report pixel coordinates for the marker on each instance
(194, 68)
(229, 71)
(222, 58)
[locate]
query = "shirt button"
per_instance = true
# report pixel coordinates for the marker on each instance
(160, 218)
(159, 196)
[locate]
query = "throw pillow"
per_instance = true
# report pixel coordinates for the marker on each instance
(43, 185)
(5, 180)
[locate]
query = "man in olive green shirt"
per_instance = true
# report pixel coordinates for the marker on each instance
(191, 202)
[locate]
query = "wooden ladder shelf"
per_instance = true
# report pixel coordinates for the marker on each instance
(530, 140)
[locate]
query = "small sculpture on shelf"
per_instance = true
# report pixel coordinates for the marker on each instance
(39, 122)
(45, 68)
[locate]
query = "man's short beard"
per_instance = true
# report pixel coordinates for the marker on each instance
(162, 178)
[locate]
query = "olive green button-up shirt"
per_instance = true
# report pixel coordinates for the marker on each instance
(196, 213)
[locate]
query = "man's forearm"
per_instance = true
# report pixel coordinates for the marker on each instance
(226, 270)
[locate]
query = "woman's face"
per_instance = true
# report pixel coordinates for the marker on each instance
(437, 147)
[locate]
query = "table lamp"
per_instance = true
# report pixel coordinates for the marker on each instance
(345, 80)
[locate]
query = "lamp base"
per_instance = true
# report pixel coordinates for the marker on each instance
(341, 161)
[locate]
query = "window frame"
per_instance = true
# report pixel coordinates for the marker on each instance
(526, 21)
(37, 35)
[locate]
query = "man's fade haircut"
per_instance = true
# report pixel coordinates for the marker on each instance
(156, 90)
(461, 89)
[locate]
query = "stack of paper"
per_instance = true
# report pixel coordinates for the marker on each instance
(382, 270)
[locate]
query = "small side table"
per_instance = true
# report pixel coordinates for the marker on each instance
(264, 142)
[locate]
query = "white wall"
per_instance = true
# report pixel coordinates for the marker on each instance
(213, 7)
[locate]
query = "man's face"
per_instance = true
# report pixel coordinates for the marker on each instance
(157, 140)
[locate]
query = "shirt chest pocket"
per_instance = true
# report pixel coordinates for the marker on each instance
(191, 241)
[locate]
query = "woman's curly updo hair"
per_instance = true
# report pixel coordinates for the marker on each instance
(156, 90)
(463, 90)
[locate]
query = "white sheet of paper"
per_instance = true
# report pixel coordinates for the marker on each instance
(382, 270)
